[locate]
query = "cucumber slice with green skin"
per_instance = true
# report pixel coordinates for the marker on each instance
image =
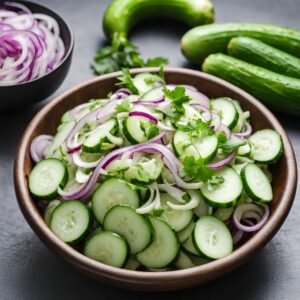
(227, 193)
(132, 264)
(164, 249)
(136, 228)
(153, 94)
(71, 221)
(202, 209)
(267, 146)
(256, 184)
(93, 143)
(46, 177)
(60, 137)
(177, 219)
(144, 82)
(183, 261)
(112, 192)
(207, 147)
(49, 211)
(227, 111)
(198, 260)
(184, 234)
(137, 129)
(224, 213)
(212, 238)
(188, 246)
(244, 150)
(108, 248)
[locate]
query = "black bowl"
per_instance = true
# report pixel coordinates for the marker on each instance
(24, 94)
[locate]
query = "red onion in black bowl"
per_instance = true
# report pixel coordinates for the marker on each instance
(36, 88)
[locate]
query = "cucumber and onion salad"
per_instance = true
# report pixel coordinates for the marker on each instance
(155, 176)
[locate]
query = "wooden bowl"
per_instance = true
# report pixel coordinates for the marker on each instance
(46, 121)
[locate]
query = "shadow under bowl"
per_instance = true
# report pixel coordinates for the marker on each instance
(46, 121)
(27, 93)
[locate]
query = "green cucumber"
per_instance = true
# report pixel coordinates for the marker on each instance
(122, 15)
(49, 211)
(71, 221)
(212, 238)
(136, 228)
(267, 146)
(46, 177)
(112, 192)
(279, 92)
(260, 54)
(164, 249)
(108, 248)
(256, 184)
(227, 193)
(202, 41)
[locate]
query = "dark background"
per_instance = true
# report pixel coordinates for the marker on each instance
(28, 270)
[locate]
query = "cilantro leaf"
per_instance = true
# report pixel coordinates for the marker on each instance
(197, 128)
(196, 169)
(215, 182)
(124, 106)
(127, 81)
(121, 54)
(178, 98)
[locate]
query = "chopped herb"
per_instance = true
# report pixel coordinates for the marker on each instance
(124, 106)
(121, 54)
(215, 182)
(231, 145)
(126, 81)
(178, 98)
(186, 197)
(153, 131)
(196, 169)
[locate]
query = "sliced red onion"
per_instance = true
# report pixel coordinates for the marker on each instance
(240, 211)
(207, 113)
(153, 102)
(144, 115)
(223, 128)
(246, 133)
(222, 163)
(216, 121)
(30, 44)
(75, 149)
(38, 147)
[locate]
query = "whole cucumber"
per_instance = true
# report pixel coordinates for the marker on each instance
(279, 92)
(260, 54)
(202, 41)
(122, 15)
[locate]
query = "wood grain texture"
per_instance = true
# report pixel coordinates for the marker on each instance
(46, 122)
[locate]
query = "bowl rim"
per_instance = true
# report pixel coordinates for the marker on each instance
(87, 265)
(66, 55)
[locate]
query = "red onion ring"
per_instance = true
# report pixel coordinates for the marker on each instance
(246, 133)
(222, 163)
(38, 147)
(242, 208)
(144, 115)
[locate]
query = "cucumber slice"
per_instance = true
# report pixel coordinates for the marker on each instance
(71, 221)
(224, 213)
(212, 238)
(184, 234)
(144, 82)
(227, 193)
(244, 150)
(108, 248)
(49, 211)
(95, 139)
(135, 228)
(198, 260)
(60, 137)
(46, 177)
(267, 146)
(139, 129)
(164, 249)
(112, 192)
(202, 209)
(256, 183)
(183, 261)
(153, 94)
(188, 246)
(132, 264)
(207, 147)
(177, 219)
(227, 111)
